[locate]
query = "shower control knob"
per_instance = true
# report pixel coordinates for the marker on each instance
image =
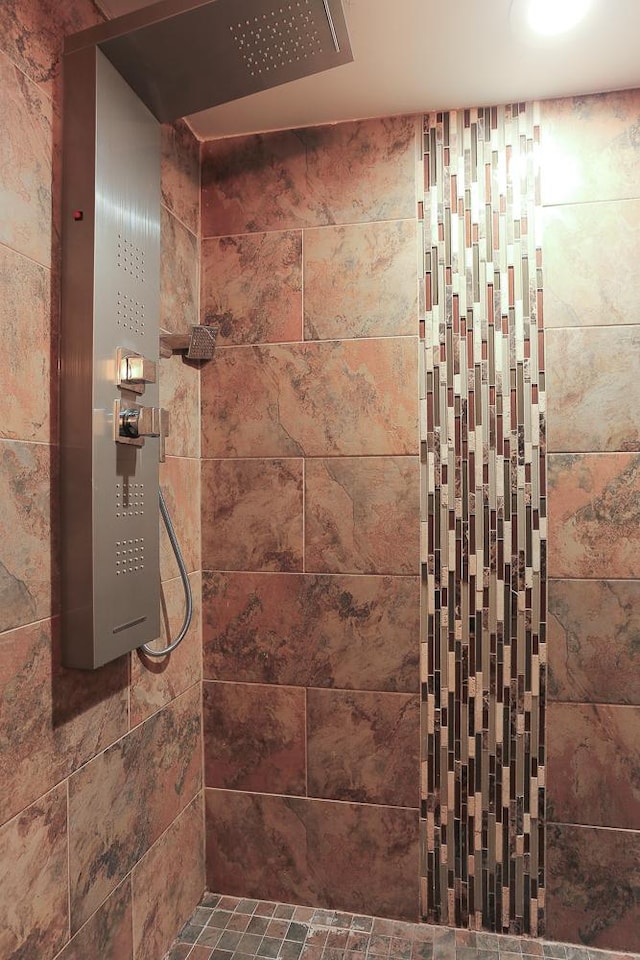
(133, 371)
(141, 421)
(132, 423)
(138, 370)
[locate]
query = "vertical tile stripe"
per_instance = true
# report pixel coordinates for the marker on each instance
(484, 567)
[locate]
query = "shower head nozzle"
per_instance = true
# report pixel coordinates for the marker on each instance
(222, 49)
(198, 344)
(202, 343)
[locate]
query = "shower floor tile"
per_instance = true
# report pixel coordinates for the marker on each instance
(232, 928)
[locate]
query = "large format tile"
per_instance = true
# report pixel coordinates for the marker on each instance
(592, 264)
(51, 720)
(168, 883)
(346, 173)
(122, 800)
(252, 286)
(252, 515)
(590, 148)
(180, 482)
(180, 396)
(316, 631)
(345, 856)
(180, 173)
(32, 34)
(594, 515)
(592, 887)
(26, 165)
(364, 746)
(593, 389)
(362, 515)
(25, 319)
(254, 737)
(156, 681)
(34, 912)
(592, 641)
(179, 257)
(343, 398)
(25, 532)
(593, 764)
(361, 280)
(108, 934)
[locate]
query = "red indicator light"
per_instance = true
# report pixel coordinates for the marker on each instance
(78, 215)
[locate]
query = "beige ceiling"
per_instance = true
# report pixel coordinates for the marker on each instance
(415, 55)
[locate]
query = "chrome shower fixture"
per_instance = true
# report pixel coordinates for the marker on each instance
(198, 344)
(183, 56)
(121, 79)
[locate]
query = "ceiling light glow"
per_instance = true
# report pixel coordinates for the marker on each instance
(550, 17)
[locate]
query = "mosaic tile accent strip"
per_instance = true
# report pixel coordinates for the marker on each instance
(231, 928)
(484, 523)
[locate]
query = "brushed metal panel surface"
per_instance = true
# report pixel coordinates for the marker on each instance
(110, 300)
(76, 359)
(182, 56)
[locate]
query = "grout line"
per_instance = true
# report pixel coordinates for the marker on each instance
(127, 733)
(186, 226)
(61, 953)
(160, 709)
(202, 757)
(591, 453)
(297, 796)
(312, 573)
(43, 266)
(591, 703)
(319, 341)
(31, 803)
(333, 459)
(173, 456)
(558, 578)
(68, 863)
(585, 327)
(545, 205)
(597, 579)
(132, 900)
(299, 227)
(593, 826)
(34, 443)
(304, 515)
(36, 83)
(129, 880)
(302, 286)
(199, 142)
(306, 741)
(32, 623)
(307, 686)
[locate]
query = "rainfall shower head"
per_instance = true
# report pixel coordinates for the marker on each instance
(183, 56)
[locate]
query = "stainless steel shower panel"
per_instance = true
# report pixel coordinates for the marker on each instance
(182, 56)
(110, 311)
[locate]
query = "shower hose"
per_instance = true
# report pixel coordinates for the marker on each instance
(185, 583)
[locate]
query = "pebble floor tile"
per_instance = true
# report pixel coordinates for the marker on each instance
(231, 928)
